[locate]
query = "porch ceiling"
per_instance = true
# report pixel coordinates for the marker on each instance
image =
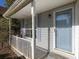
(41, 6)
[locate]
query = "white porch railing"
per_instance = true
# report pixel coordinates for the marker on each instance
(24, 47)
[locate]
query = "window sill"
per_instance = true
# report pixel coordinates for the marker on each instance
(63, 54)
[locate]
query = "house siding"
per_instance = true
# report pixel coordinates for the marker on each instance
(44, 23)
(45, 30)
(42, 32)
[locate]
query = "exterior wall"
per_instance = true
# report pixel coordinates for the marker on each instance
(42, 32)
(45, 30)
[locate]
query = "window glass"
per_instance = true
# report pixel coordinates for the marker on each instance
(26, 28)
(64, 30)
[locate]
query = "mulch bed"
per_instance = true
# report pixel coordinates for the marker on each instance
(7, 53)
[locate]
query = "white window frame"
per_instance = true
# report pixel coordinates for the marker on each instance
(73, 29)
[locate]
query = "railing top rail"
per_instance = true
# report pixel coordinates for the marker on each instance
(25, 39)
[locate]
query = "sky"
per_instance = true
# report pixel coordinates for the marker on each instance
(2, 3)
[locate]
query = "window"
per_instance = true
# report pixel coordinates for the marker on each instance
(28, 32)
(26, 28)
(63, 33)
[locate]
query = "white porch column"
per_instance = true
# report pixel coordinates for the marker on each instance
(33, 28)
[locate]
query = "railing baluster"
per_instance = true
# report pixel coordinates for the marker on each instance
(22, 45)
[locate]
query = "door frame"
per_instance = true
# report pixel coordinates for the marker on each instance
(73, 27)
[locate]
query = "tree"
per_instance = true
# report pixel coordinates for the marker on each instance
(15, 26)
(4, 30)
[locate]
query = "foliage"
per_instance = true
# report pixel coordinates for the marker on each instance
(15, 26)
(4, 28)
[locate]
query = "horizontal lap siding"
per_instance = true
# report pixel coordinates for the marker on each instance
(45, 26)
(42, 32)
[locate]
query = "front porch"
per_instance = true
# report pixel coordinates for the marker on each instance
(47, 30)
